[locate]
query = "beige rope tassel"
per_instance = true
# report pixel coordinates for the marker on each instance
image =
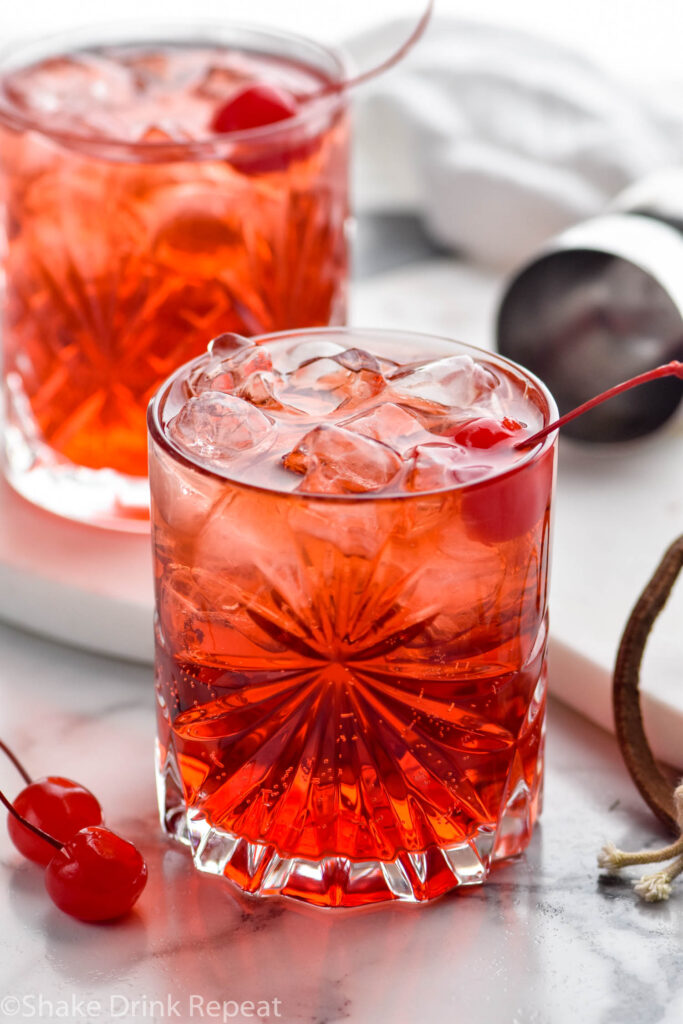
(655, 886)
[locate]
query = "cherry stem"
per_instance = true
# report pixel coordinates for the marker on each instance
(674, 369)
(27, 824)
(16, 762)
(365, 76)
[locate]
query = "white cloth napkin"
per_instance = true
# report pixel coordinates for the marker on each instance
(499, 139)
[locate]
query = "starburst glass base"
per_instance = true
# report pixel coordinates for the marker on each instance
(259, 870)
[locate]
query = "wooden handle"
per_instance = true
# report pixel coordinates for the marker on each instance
(655, 788)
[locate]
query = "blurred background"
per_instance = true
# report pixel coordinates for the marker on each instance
(640, 39)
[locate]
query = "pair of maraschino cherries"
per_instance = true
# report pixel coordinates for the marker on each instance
(90, 872)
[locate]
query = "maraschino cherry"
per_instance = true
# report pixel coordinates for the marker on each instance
(259, 104)
(254, 107)
(54, 805)
(96, 876)
(487, 433)
(503, 509)
(92, 874)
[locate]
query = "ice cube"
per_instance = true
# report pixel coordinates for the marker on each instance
(315, 348)
(359, 531)
(218, 82)
(228, 344)
(433, 467)
(157, 133)
(233, 360)
(332, 383)
(214, 428)
(211, 376)
(182, 498)
(312, 387)
(338, 461)
(163, 70)
(70, 84)
(392, 425)
(261, 388)
(454, 382)
(358, 359)
(321, 374)
(260, 583)
(146, 66)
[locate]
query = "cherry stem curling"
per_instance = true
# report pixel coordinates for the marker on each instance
(365, 76)
(16, 762)
(27, 824)
(674, 369)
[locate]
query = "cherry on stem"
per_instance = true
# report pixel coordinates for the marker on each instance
(673, 369)
(365, 76)
(94, 876)
(91, 873)
(253, 107)
(54, 805)
(486, 433)
(259, 104)
(16, 762)
(25, 824)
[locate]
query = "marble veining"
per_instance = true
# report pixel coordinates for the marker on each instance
(545, 941)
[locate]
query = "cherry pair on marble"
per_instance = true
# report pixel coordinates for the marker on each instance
(91, 872)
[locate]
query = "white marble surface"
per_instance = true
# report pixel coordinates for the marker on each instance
(544, 942)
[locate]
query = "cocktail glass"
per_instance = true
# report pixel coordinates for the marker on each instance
(127, 243)
(351, 687)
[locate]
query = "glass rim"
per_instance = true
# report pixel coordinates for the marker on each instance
(157, 433)
(142, 33)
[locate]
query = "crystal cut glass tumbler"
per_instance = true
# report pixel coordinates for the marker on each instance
(350, 687)
(131, 232)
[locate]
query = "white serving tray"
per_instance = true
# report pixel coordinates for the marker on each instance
(79, 584)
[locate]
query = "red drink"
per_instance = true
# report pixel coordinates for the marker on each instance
(351, 573)
(135, 230)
